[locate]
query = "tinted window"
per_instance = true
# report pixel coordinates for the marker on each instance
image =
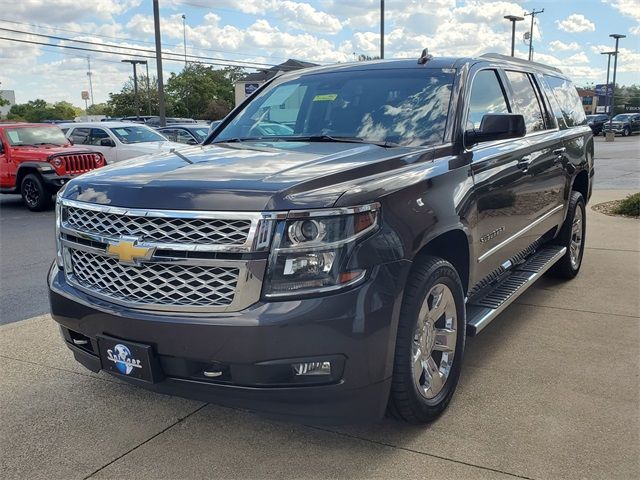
(525, 100)
(171, 134)
(487, 96)
(405, 107)
(80, 136)
(568, 99)
(97, 134)
(183, 136)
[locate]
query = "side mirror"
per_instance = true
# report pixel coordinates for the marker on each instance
(496, 126)
(107, 142)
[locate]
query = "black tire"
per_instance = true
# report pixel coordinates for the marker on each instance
(626, 132)
(566, 267)
(35, 195)
(406, 402)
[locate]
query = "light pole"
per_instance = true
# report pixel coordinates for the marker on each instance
(146, 64)
(533, 14)
(606, 92)
(156, 26)
(513, 19)
(135, 83)
(610, 135)
(381, 29)
(184, 35)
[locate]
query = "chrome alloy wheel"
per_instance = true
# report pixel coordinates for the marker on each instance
(434, 341)
(575, 247)
(31, 193)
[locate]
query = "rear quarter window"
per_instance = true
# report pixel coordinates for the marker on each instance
(566, 95)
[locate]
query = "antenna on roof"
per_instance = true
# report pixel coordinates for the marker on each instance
(425, 57)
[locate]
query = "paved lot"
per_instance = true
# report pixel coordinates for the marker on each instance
(551, 389)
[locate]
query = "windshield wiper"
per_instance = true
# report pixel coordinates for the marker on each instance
(345, 139)
(48, 143)
(246, 139)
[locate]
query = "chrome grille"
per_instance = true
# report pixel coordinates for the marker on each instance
(199, 231)
(154, 283)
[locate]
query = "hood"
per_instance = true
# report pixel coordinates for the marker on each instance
(154, 147)
(239, 176)
(45, 151)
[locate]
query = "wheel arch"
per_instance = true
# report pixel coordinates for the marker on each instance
(581, 184)
(24, 169)
(452, 246)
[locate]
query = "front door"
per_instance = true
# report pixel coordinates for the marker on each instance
(5, 169)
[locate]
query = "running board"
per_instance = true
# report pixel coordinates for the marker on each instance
(481, 310)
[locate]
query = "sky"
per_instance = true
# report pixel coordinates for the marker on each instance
(569, 34)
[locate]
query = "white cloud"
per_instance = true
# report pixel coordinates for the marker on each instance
(576, 23)
(557, 45)
(66, 10)
(635, 30)
(578, 58)
(629, 8)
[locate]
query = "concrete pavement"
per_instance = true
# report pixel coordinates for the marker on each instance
(549, 390)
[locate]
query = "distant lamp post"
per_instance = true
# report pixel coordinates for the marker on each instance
(135, 83)
(184, 35)
(610, 134)
(607, 108)
(513, 19)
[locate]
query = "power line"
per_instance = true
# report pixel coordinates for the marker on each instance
(136, 49)
(83, 49)
(136, 40)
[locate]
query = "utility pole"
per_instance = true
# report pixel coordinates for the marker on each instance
(513, 19)
(607, 107)
(89, 75)
(184, 34)
(135, 83)
(610, 135)
(381, 28)
(533, 14)
(156, 24)
(146, 64)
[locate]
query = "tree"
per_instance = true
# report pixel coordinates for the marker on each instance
(98, 109)
(3, 102)
(122, 104)
(199, 90)
(38, 110)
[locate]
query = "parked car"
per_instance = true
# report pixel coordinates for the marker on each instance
(36, 160)
(190, 133)
(155, 121)
(623, 124)
(596, 122)
(332, 271)
(119, 140)
(136, 119)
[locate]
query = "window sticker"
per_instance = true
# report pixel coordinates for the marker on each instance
(13, 136)
(327, 97)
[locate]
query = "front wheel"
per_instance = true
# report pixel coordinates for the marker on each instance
(626, 132)
(430, 342)
(34, 194)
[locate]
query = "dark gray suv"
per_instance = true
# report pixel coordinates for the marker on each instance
(330, 270)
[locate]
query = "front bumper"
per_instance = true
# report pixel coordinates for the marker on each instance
(255, 348)
(55, 181)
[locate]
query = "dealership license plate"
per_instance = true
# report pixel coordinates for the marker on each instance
(128, 359)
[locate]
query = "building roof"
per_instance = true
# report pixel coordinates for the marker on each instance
(268, 73)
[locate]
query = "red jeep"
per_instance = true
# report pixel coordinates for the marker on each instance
(36, 160)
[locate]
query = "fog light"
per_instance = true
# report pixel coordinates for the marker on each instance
(312, 368)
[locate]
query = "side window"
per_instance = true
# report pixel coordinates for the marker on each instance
(170, 134)
(80, 136)
(97, 134)
(184, 136)
(568, 99)
(525, 100)
(487, 96)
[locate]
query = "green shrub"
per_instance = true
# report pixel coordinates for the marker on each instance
(629, 206)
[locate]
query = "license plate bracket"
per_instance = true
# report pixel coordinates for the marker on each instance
(131, 360)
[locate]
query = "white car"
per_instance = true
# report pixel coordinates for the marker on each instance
(118, 140)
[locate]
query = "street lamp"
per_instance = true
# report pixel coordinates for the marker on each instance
(606, 94)
(513, 19)
(135, 82)
(610, 135)
(184, 34)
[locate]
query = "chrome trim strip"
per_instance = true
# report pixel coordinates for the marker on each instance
(315, 291)
(475, 326)
(504, 243)
(330, 212)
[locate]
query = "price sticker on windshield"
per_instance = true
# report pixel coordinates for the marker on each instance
(327, 97)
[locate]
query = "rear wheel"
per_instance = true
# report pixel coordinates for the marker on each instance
(571, 236)
(34, 193)
(430, 342)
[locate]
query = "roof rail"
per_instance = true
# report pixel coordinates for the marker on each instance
(521, 61)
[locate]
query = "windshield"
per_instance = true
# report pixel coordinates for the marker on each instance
(404, 107)
(36, 136)
(137, 134)
(200, 133)
(622, 117)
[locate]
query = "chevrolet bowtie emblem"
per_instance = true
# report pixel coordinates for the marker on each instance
(128, 252)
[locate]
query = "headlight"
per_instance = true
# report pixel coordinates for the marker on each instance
(98, 159)
(312, 249)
